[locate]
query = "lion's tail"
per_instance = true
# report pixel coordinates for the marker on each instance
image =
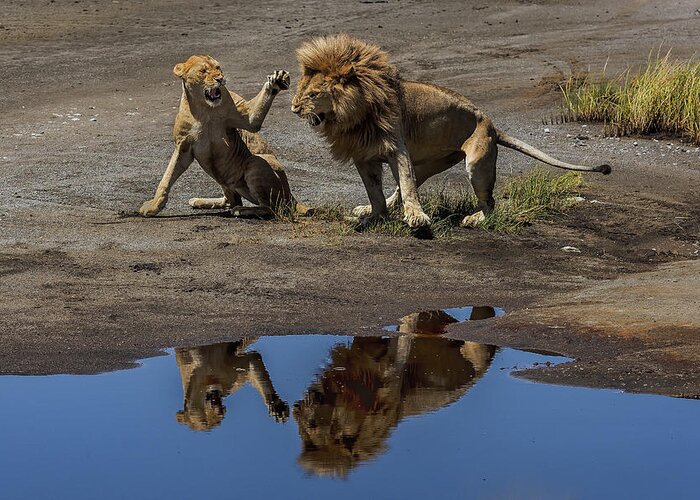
(518, 145)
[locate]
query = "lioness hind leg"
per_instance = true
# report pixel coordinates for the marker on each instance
(253, 212)
(266, 185)
(208, 202)
(481, 154)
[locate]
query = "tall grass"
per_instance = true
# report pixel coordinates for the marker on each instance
(663, 98)
(533, 197)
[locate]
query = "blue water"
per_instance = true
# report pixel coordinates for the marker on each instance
(457, 426)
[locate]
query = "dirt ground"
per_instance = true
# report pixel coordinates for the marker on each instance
(88, 100)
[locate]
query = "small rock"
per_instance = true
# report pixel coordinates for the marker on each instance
(546, 131)
(93, 119)
(570, 249)
(635, 143)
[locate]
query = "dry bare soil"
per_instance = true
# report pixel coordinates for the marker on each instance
(88, 100)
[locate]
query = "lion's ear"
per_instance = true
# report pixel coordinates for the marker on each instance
(346, 74)
(179, 70)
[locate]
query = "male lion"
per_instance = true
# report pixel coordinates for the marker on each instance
(371, 385)
(217, 128)
(352, 93)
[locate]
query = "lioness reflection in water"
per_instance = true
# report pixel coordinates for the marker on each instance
(371, 385)
(211, 373)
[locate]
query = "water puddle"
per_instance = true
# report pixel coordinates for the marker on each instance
(399, 416)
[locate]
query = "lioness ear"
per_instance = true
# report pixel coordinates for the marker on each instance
(179, 70)
(346, 73)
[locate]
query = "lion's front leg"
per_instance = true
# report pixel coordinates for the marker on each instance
(402, 168)
(371, 174)
(180, 161)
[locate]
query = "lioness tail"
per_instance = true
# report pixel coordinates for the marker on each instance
(523, 147)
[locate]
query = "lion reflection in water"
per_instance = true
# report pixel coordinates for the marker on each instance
(210, 373)
(374, 383)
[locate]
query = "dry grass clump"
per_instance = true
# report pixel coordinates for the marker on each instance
(663, 98)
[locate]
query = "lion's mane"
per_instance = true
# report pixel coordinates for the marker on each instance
(366, 104)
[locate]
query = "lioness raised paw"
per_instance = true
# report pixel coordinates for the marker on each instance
(279, 410)
(474, 220)
(279, 80)
(150, 208)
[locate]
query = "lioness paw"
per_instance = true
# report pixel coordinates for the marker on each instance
(279, 410)
(279, 80)
(149, 208)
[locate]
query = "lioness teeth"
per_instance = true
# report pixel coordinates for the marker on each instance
(213, 94)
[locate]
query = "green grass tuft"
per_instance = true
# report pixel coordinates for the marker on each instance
(534, 197)
(521, 201)
(663, 98)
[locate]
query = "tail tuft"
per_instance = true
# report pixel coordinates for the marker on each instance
(603, 169)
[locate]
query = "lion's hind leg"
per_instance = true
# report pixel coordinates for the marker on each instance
(481, 154)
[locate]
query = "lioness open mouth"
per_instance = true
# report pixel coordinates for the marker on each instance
(212, 95)
(316, 119)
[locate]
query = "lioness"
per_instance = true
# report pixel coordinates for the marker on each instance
(210, 373)
(355, 97)
(217, 128)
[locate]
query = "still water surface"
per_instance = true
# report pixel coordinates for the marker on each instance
(409, 415)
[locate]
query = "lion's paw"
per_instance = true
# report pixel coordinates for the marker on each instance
(474, 220)
(415, 217)
(150, 208)
(279, 80)
(362, 210)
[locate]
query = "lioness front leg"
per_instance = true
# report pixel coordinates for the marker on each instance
(260, 380)
(181, 159)
(255, 110)
(402, 168)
